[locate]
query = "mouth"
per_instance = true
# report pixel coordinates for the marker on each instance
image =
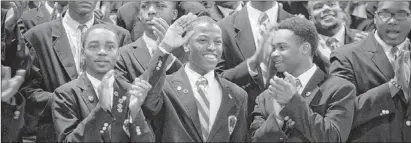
(393, 34)
(327, 16)
(101, 62)
(211, 57)
(85, 3)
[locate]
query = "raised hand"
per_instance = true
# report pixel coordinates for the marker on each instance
(174, 35)
(14, 14)
(160, 28)
(283, 89)
(10, 86)
(104, 93)
(138, 94)
(402, 71)
(263, 49)
(324, 52)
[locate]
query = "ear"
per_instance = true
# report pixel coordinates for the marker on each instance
(305, 48)
(175, 14)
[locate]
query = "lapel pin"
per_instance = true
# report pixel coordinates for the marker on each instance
(101, 132)
(232, 120)
(91, 98)
(120, 110)
(105, 124)
(185, 91)
(120, 101)
(308, 94)
(157, 68)
(115, 93)
(119, 105)
(178, 87)
(124, 97)
(229, 95)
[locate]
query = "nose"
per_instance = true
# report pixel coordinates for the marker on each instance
(211, 47)
(275, 53)
(392, 20)
(102, 52)
(152, 11)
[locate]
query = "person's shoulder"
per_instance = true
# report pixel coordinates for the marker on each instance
(69, 86)
(238, 92)
(336, 82)
(353, 48)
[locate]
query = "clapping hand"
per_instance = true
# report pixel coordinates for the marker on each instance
(174, 35)
(14, 14)
(138, 94)
(283, 89)
(103, 90)
(10, 86)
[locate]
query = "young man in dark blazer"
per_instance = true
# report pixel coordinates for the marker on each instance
(135, 56)
(100, 106)
(214, 109)
(377, 68)
(328, 18)
(240, 32)
(305, 105)
(12, 105)
(56, 48)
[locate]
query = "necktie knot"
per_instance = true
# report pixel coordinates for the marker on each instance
(298, 84)
(82, 28)
(263, 19)
(332, 43)
(394, 52)
(202, 81)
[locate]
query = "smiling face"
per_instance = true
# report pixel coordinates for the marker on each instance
(287, 51)
(391, 30)
(326, 14)
(205, 47)
(100, 51)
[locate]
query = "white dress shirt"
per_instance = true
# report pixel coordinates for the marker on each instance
(304, 78)
(96, 83)
(151, 44)
(213, 91)
(49, 8)
(74, 36)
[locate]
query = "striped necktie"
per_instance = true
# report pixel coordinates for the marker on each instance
(299, 86)
(83, 29)
(203, 106)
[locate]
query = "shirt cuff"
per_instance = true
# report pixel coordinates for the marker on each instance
(250, 71)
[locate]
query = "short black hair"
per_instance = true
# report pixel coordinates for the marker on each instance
(108, 27)
(303, 29)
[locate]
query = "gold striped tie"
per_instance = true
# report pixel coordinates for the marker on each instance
(203, 106)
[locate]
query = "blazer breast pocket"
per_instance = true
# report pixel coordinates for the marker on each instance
(320, 109)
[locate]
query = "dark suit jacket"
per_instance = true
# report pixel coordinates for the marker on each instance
(53, 66)
(78, 119)
(171, 101)
(322, 113)
(135, 57)
(365, 64)
(349, 38)
(238, 45)
(127, 17)
(362, 24)
(12, 120)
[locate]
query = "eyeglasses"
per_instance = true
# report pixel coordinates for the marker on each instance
(385, 15)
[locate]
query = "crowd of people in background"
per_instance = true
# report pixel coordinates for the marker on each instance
(205, 71)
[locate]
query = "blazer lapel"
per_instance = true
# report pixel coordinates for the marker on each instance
(228, 108)
(379, 57)
(88, 94)
(313, 84)
(181, 85)
(244, 34)
(141, 53)
(62, 48)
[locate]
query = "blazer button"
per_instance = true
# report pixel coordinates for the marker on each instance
(408, 123)
(281, 139)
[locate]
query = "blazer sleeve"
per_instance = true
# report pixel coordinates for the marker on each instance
(265, 128)
(155, 75)
(68, 124)
(334, 126)
(12, 120)
(240, 131)
(369, 105)
(121, 65)
(139, 129)
(341, 67)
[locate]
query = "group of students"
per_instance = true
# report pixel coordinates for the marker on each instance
(256, 74)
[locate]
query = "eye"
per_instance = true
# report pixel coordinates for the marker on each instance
(111, 47)
(92, 47)
(143, 6)
(163, 6)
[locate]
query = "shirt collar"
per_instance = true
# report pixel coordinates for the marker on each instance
(226, 11)
(150, 43)
(340, 35)
(49, 7)
(193, 76)
(272, 13)
(73, 24)
(306, 76)
(385, 46)
(96, 82)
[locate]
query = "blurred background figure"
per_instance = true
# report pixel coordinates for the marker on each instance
(221, 9)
